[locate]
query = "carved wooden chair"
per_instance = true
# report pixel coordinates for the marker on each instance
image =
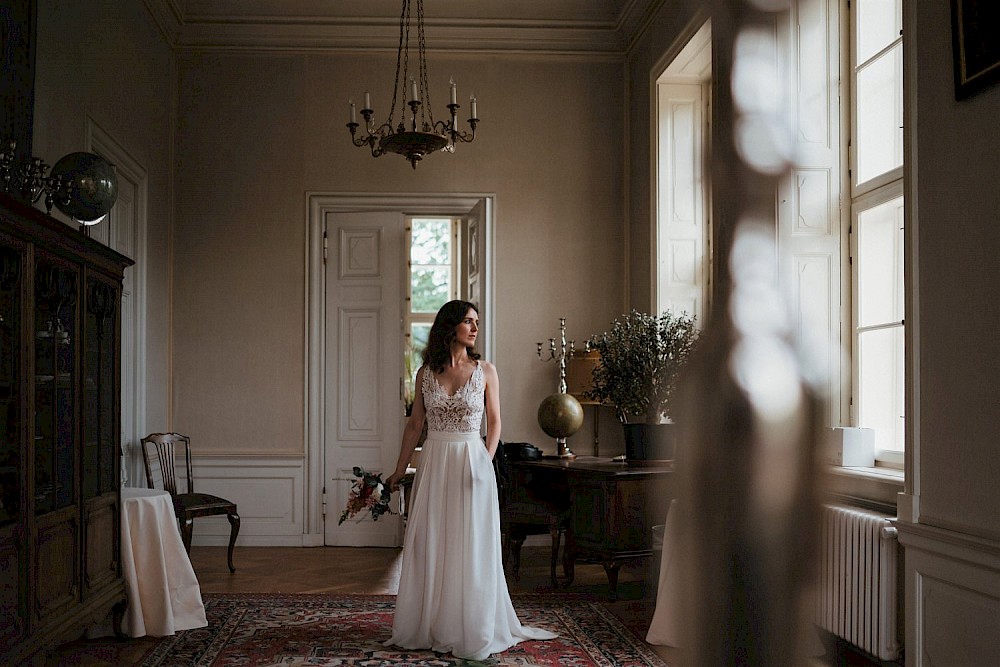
(527, 510)
(163, 448)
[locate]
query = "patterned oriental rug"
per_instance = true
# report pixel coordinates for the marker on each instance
(346, 630)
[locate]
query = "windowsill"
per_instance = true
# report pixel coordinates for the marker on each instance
(876, 488)
(874, 472)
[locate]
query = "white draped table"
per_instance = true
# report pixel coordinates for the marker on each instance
(164, 596)
(664, 629)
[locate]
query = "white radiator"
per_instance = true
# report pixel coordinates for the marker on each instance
(857, 591)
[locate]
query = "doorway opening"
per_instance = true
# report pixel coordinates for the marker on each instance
(357, 315)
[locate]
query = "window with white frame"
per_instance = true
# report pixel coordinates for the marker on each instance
(876, 196)
(431, 281)
(839, 210)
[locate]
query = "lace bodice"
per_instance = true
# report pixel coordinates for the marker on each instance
(461, 412)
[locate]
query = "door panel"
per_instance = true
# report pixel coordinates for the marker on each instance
(363, 365)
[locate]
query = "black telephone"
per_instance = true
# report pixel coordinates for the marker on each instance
(521, 451)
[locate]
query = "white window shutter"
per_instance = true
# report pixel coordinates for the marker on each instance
(811, 227)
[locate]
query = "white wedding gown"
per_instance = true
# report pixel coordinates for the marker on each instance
(452, 596)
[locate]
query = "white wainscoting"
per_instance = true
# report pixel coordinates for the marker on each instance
(269, 495)
(952, 597)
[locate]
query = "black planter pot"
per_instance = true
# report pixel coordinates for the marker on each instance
(650, 442)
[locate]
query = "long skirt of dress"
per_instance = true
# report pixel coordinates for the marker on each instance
(452, 596)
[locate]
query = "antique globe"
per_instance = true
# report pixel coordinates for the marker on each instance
(560, 415)
(93, 186)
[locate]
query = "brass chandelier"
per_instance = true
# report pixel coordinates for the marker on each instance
(415, 136)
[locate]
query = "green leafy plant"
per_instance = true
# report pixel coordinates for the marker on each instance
(411, 361)
(641, 357)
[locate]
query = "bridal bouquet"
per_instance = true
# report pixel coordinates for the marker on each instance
(368, 493)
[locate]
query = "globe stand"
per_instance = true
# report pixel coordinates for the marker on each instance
(562, 449)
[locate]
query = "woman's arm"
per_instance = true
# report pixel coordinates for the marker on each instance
(411, 433)
(492, 407)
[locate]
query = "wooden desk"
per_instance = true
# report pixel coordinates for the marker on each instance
(612, 506)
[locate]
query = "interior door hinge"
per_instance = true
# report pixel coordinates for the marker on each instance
(326, 245)
(850, 245)
(323, 502)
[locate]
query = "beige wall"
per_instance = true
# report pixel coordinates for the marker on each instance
(958, 236)
(106, 60)
(256, 132)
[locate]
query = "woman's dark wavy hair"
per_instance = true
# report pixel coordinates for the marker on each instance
(437, 354)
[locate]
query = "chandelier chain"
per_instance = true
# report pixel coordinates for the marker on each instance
(425, 89)
(404, 48)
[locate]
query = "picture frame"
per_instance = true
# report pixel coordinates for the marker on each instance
(975, 45)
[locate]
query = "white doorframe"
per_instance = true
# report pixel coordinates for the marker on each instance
(318, 205)
(101, 142)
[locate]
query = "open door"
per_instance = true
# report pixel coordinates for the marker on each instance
(474, 269)
(363, 365)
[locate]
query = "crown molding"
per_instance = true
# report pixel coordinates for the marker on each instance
(594, 34)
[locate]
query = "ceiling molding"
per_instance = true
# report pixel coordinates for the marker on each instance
(220, 25)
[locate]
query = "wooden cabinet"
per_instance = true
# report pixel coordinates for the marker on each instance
(60, 294)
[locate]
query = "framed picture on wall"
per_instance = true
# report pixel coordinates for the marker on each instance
(977, 49)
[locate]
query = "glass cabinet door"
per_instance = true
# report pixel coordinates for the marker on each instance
(56, 292)
(100, 424)
(11, 300)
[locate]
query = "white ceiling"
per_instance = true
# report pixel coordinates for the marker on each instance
(561, 26)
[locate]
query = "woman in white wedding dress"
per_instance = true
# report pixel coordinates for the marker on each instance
(452, 596)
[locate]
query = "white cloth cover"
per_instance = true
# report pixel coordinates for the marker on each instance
(452, 592)
(164, 596)
(664, 629)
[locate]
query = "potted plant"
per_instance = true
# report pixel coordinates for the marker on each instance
(641, 358)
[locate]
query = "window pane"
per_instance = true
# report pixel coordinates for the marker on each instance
(880, 392)
(430, 288)
(879, 23)
(412, 359)
(880, 116)
(419, 334)
(880, 264)
(431, 241)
